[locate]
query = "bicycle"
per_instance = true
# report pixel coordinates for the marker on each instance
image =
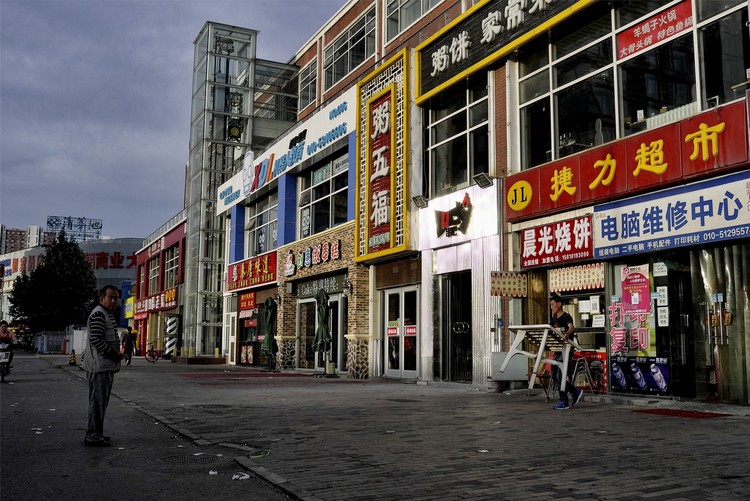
(151, 354)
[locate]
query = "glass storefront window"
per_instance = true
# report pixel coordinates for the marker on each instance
(660, 79)
(725, 50)
(675, 324)
(323, 201)
(261, 225)
(586, 114)
(576, 67)
(457, 136)
(706, 9)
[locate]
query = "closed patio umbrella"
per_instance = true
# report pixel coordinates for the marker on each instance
(322, 342)
(269, 345)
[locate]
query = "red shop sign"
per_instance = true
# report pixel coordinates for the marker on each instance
(559, 242)
(695, 147)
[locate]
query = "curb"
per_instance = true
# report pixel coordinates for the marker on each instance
(246, 463)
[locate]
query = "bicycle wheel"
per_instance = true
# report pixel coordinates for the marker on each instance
(151, 356)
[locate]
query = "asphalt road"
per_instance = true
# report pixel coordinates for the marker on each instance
(42, 456)
(340, 439)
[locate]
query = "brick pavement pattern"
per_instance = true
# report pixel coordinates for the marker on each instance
(344, 439)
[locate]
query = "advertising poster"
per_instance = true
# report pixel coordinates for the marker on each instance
(636, 290)
(631, 334)
(644, 375)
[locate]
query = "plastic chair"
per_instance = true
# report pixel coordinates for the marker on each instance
(582, 365)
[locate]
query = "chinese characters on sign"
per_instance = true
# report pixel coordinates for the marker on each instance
(97, 260)
(311, 256)
(479, 37)
(247, 301)
(629, 332)
(584, 277)
(699, 213)
(77, 229)
(666, 24)
(569, 240)
(332, 285)
(380, 141)
(162, 301)
(257, 270)
(636, 290)
(455, 220)
(508, 284)
(110, 261)
(693, 148)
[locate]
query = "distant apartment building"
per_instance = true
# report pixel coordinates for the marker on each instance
(12, 239)
(15, 239)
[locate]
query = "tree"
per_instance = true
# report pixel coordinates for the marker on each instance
(58, 292)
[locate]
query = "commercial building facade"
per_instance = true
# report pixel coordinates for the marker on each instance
(158, 305)
(466, 159)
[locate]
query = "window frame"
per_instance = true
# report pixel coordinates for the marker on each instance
(460, 136)
(265, 210)
(153, 275)
(535, 79)
(398, 12)
(171, 266)
(308, 84)
(340, 50)
(327, 189)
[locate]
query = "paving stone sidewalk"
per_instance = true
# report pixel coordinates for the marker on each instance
(336, 439)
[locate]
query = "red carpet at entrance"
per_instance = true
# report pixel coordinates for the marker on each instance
(682, 413)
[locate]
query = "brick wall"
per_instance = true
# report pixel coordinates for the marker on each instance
(358, 300)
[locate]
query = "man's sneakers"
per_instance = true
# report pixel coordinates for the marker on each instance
(577, 397)
(561, 405)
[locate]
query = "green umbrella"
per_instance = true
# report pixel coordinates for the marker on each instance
(322, 340)
(269, 347)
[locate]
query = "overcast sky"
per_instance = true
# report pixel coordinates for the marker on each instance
(95, 101)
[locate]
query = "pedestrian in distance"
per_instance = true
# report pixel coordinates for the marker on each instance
(128, 345)
(101, 362)
(563, 322)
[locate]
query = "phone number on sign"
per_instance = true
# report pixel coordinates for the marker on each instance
(740, 231)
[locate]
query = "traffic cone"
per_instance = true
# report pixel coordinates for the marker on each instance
(72, 360)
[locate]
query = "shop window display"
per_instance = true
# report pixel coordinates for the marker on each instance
(675, 325)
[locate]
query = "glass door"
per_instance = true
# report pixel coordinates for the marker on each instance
(307, 325)
(719, 285)
(401, 326)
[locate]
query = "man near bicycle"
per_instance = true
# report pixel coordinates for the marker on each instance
(101, 360)
(563, 322)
